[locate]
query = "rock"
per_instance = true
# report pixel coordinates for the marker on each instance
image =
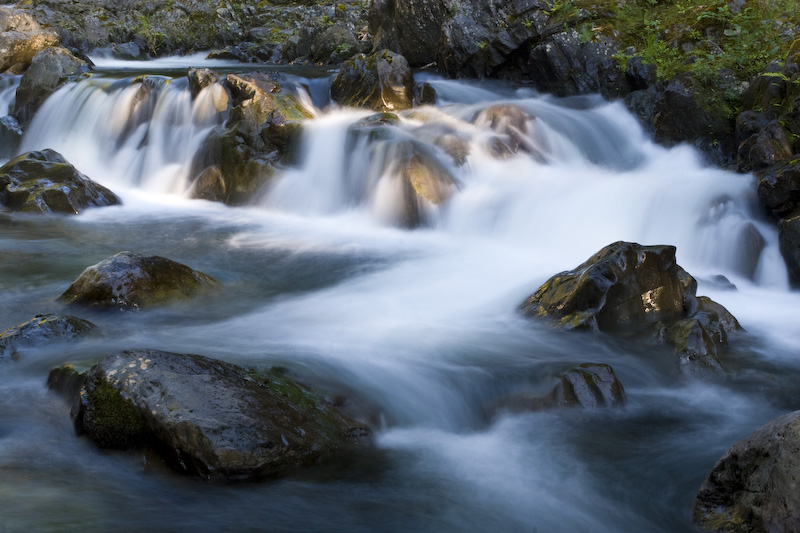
(337, 41)
(49, 70)
(265, 121)
(10, 136)
(754, 487)
(44, 182)
(411, 28)
(43, 330)
(382, 82)
(21, 38)
(779, 187)
(628, 288)
(200, 78)
(789, 242)
(588, 385)
(128, 281)
(512, 122)
(768, 146)
(625, 285)
(208, 417)
(65, 381)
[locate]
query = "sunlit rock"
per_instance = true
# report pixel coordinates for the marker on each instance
(210, 418)
(382, 81)
(754, 486)
(44, 182)
(514, 126)
(43, 330)
(129, 282)
(49, 70)
(627, 288)
(21, 38)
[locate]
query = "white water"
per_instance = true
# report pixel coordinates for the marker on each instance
(418, 327)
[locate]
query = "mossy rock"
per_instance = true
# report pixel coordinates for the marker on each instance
(211, 418)
(43, 330)
(129, 281)
(44, 182)
(382, 81)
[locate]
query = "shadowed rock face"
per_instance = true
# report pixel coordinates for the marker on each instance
(754, 486)
(44, 182)
(382, 81)
(208, 417)
(43, 330)
(129, 282)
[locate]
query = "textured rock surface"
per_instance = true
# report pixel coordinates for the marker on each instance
(754, 486)
(382, 82)
(44, 182)
(208, 417)
(43, 330)
(21, 38)
(129, 281)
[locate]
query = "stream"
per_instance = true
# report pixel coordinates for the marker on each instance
(418, 329)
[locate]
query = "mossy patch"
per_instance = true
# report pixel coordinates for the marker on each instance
(112, 420)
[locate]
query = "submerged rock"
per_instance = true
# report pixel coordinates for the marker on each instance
(208, 417)
(629, 288)
(754, 487)
(43, 330)
(44, 182)
(382, 81)
(129, 281)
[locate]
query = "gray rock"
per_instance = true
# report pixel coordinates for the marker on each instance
(44, 182)
(43, 330)
(208, 417)
(754, 486)
(49, 70)
(130, 282)
(382, 81)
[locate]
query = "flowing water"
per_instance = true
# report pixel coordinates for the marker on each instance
(419, 329)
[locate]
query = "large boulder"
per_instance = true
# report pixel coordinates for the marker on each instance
(129, 282)
(754, 486)
(49, 70)
(779, 187)
(21, 38)
(265, 121)
(382, 81)
(44, 182)
(411, 28)
(43, 330)
(627, 288)
(210, 418)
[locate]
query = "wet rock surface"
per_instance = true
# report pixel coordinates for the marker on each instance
(754, 487)
(627, 288)
(382, 81)
(130, 282)
(210, 418)
(43, 330)
(45, 182)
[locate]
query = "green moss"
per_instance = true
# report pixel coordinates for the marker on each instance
(114, 421)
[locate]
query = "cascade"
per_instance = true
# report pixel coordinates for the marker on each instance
(386, 265)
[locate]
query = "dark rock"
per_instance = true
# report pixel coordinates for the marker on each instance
(767, 92)
(65, 381)
(208, 417)
(628, 288)
(623, 285)
(10, 136)
(753, 487)
(21, 38)
(382, 82)
(337, 41)
(129, 281)
(749, 123)
(779, 187)
(200, 78)
(789, 241)
(588, 385)
(44, 182)
(43, 330)
(768, 146)
(411, 28)
(49, 70)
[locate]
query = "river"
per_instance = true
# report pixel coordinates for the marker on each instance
(418, 328)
